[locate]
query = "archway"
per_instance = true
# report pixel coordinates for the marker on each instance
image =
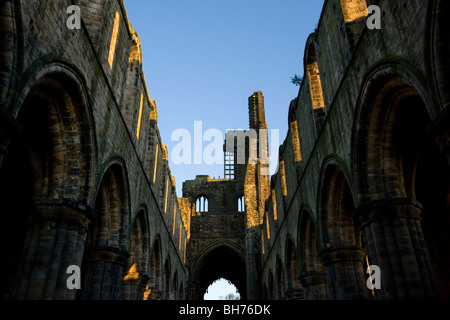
(222, 289)
(220, 262)
(294, 287)
(44, 186)
(313, 278)
(166, 286)
(403, 182)
(136, 278)
(343, 255)
(106, 246)
(155, 271)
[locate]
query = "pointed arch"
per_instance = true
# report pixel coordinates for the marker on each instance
(294, 286)
(166, 285)
(155, 270)
(48, 174)
(343, 256)
(136, 271)
(313, 276)
(106, 244)
(315, 83)
(395, 159)
(295, 135)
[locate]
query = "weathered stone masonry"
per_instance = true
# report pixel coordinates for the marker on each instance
(84, 177)
(372, 185)
(363, 175)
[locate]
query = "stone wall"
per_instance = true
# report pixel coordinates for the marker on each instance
(82, 134)
(362, 193)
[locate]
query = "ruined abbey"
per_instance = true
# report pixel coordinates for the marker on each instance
(359, 207)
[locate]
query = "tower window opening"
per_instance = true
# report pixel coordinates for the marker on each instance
(241, 204)
(201, 205)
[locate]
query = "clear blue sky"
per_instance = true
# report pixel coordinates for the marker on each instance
(202, 59)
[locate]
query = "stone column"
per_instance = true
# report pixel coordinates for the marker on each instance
(133, 286)
(295, 294)
(104, 269)
(395, 243)
(345, 272)
(314, 285)
(55, 240)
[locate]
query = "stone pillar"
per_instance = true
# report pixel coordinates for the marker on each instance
(55, 240)
(314, 285)
(395, 243)
(345, 272)
(134, 286)
(103, 273)
(295, 294)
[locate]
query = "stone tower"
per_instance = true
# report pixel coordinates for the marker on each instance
(226, 214)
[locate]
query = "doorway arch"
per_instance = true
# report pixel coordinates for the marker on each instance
(220, 261)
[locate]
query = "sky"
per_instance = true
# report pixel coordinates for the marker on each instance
(202, 59)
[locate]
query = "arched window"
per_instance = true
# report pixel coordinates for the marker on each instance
(294, 132)
(315, 85)
(201, 204)
(241, 204)
(112, 46)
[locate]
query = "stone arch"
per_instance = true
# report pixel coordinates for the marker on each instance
(136, 271)
(106, 246)
(174, 291)
(136, 50)
(313, 278)
(202, 204)
(394, 156)
(46, 176)
(280, 280)
(294, 287)
(241, 203)
(166, 284)
(386, 85)
(295, 135)
(134, 87)
(311, 64)
(55, 97)
(343, 255)
(219, 260)
(155, 270)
